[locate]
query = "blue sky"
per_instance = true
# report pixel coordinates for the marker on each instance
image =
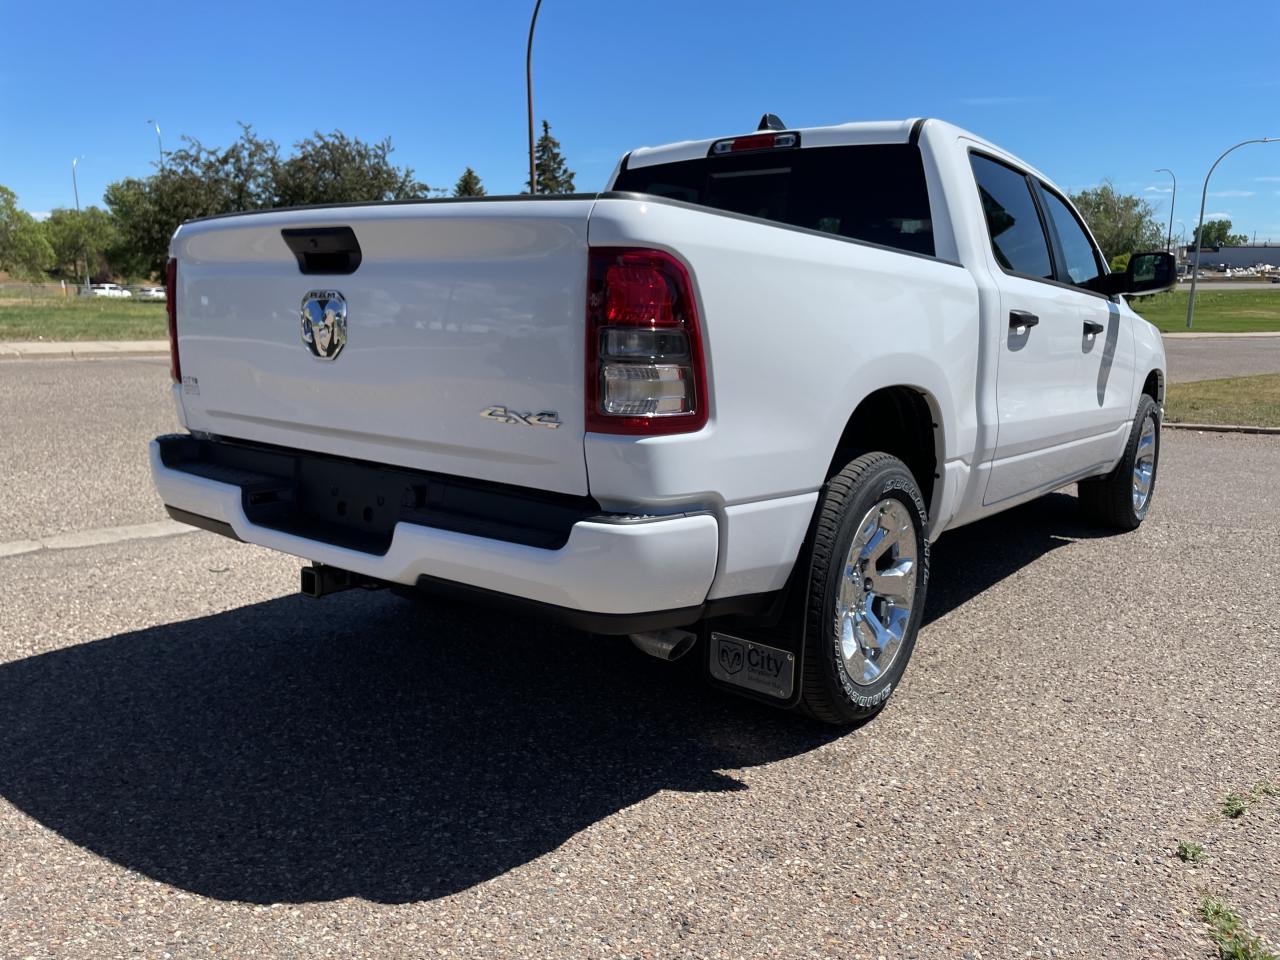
(1093, 91)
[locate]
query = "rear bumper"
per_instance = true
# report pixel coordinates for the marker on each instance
(614, 567)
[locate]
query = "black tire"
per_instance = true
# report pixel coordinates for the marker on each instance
(828, 692)
(1109, 500)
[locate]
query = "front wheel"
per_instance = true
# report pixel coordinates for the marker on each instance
(1122, 498)
(869, 569)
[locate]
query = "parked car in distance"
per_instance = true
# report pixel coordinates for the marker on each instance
(725, 405)
(109, 290)
(151, 293)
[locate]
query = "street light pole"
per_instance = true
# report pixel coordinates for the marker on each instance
(79, 224)
(528, 82)
(1195, 270)
(159, 142)
(1168, 243)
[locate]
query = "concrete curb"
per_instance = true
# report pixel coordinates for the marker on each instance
(1252, 335)
(1224, 428)
(81, 349)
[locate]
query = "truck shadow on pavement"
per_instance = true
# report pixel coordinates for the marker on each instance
(294, 751)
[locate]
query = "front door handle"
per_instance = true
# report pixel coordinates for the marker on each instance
(1093, 327)
(1022, 318)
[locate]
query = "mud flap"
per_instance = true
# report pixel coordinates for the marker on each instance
(764, 664)
(733, 643)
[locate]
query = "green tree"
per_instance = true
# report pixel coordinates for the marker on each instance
(196, 181)
(24, 250)
(554, 175)
(1120, 222)
(250, 174)
(142, 229)
(82, 236)
(335, 168)
(209, 181)
(1217, 233)
(468, 185)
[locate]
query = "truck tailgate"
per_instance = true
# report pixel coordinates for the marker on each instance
(455, 309)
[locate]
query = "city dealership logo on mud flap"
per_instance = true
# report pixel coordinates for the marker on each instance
(733, 657)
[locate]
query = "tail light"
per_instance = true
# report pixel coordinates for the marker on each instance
(171, 308)
(645, 370)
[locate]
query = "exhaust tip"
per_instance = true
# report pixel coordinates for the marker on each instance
(666, 645)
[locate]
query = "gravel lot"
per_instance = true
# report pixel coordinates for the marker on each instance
(195, 762)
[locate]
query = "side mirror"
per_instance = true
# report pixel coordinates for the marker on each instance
(1152, 272)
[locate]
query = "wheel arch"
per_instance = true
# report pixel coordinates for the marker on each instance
(1153, 385)
(903, 420)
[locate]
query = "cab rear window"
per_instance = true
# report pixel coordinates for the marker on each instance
(874, 193)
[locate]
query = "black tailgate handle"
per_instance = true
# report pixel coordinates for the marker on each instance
(323, 249)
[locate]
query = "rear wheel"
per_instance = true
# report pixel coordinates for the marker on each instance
(869, 569)
(1122, 498)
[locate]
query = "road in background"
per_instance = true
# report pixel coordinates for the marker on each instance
(1231, 285)
(195, 761)
(1210, 358)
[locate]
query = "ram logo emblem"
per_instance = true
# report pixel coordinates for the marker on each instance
(731, 656)
(324, 323)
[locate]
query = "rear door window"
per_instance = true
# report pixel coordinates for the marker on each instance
(875, 193)
(1013, 222)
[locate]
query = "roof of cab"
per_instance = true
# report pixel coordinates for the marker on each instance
(836, 135)
(843, 134)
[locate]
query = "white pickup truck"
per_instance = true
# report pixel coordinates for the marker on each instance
(731, 399)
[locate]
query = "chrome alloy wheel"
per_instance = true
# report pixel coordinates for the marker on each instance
(873, 606)
(1144, 466)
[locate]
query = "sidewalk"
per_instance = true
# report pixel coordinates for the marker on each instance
(81, 349)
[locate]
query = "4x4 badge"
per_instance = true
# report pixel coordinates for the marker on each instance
(547, 418)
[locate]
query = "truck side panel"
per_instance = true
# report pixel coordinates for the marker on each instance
(799, 328)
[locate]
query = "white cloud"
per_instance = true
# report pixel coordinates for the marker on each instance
(39, 214)
(1218, 215)
(1159, 189)
(1231, 193)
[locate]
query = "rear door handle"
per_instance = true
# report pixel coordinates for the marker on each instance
(1022, 318)
(1093, 327)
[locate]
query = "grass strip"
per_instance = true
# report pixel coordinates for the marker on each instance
(1217, 311)
(1244, 401)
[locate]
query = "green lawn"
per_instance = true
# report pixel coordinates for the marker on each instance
(1217, 311)
(82, 318)
(1246, 401)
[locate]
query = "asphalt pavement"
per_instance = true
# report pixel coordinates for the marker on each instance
(197, 762)
(1232, 286)
(1211, 358)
